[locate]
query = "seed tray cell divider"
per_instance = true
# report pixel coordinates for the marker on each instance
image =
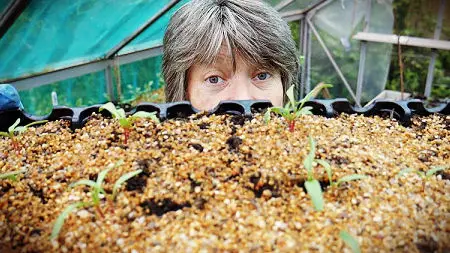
(401, 110)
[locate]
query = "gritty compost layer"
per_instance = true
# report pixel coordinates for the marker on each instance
(229, 183)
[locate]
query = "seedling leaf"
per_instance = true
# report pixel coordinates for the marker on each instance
(267, 115)
(404, 171)
(327, 168)
(409, 170)
(314, 92)
(13, 126)
(434, 170)
(304, 111)
(149, 115)
(308, 162)
(290, 95)
(291, 110)
(277, 110)
(315, 192)
(101, 177)
(110, 107)
(121, 113)
(350, 241)
(123, 179)
(60, 220)
(12, 174)
(125, 123)
(20, 129)
(84, 182)
(36, 123)
(4, 134)
(350, 178)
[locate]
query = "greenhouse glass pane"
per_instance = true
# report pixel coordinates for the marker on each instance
(273, 2)
(153, 35)
(336, 23)
(75, 92)
(53, 34)
(322, 69)
(445, 33)
(140, 77)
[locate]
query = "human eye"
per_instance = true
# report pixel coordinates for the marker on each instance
(214, 80)
(262, 76)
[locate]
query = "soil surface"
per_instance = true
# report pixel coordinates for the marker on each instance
(229, 183)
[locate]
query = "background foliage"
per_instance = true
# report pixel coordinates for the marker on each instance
(418, 18)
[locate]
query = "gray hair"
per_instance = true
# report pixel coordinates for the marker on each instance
(251, 28)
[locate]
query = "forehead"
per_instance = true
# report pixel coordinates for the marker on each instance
(224, 55)
(231, 58)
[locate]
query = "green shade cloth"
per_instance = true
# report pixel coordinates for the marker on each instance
(3, 5)
(153, 35)
(54, 34)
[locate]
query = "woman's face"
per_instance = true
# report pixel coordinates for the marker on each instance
(209, 84)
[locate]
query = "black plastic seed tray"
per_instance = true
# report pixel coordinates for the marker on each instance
(401, 111)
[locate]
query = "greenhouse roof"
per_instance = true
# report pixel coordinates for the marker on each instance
(43, 38)
(38, 37)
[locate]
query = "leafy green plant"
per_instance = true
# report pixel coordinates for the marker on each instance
(15, 130)
(293, 109)
(127, 122)
(341, 180)
(312, 185)
(11, 175)
(96, 190)
(423, 175)
(350, 241)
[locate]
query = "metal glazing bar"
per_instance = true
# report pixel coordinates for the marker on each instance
(290, 14)
(300, 47)
(140, 55)
(80, 69)
(293, 18)
(109, 83)
(303, 51)
(361, 69)
(308, 60)
(430, 74)
(363, 52)
(136, 33)
(403, 40)
(434, 54)
(333, 62)
(57, 75)
(10, 14)
(317, 7)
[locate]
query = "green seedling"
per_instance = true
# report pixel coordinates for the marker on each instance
(350, 241)
(63, 216)
(424, 175)
(11, 175)
(15, 130)
(127, 122)
(312, 185)
(96, 190)
(341, 180)
(293, 109)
